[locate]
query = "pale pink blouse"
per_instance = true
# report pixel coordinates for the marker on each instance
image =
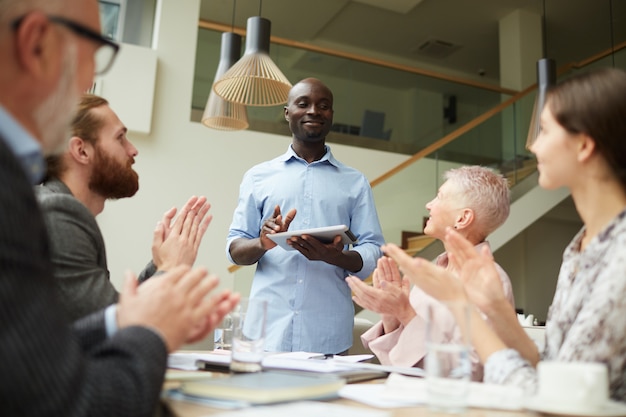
(406, 346)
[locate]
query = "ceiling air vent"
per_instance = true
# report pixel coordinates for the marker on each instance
(436, 48)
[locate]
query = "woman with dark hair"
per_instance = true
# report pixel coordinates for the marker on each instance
(582, 146)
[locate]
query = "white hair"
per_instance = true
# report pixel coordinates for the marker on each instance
(484, 191)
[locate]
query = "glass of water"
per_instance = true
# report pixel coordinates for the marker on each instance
(224, 334)
(249, 320)
(447, 364)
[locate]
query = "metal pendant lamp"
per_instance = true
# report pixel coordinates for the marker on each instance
(546, 78)
(255, 80)
(219, 113)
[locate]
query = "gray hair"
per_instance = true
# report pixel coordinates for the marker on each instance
(13, 9)
(486, 192)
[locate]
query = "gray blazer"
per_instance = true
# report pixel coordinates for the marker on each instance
(77, 252)
(48, 368)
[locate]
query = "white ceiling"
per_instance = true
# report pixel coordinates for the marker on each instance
(394, 29)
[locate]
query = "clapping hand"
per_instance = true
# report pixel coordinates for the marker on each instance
(478, 270)
(175, 305)
(434, 280)
(178, 243)
(388, 296)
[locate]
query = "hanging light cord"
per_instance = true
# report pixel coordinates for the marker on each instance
(260, 6)
(612, 34)
(544, 28)
(232, 25)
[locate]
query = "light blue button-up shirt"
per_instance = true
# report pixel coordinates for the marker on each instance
(310, 305)
(23, 145)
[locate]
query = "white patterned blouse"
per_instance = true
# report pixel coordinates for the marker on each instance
(587, 319)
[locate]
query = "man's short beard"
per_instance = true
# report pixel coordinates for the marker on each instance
(53, 117)
(111, 179)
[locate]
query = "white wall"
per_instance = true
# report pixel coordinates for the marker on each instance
(180, 158)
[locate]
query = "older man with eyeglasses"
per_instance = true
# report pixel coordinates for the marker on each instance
(110, 363)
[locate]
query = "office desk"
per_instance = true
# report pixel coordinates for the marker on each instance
(186, 409)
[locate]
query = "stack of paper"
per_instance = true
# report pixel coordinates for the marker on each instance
(403, 391)
(350, 367)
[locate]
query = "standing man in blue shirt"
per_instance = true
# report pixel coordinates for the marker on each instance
(310, 305)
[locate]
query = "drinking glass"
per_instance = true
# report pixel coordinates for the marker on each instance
(447, 364)
(224, 334)
(249, 319)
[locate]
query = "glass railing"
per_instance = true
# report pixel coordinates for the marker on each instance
(498, 141)
(379, 107)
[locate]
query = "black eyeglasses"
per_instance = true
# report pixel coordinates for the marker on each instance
(105, 54)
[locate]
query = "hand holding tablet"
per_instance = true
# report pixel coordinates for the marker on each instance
(323, 234)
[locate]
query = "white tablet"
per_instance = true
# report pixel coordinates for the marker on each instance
(323, 234)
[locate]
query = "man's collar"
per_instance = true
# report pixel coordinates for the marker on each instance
(328, 156)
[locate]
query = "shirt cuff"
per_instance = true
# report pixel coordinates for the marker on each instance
(110, 319)
(507, 367)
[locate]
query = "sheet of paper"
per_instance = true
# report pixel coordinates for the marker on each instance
(372, 395)
(353, 358)
(404, 388)
(311, 365)
(187, 360)
(296, 361)
(289, 360)
(387, 368)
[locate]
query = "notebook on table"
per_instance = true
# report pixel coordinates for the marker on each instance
(265, 387)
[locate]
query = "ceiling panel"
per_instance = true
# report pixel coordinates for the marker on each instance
(576, 29)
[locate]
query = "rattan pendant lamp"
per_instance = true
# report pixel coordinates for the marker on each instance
(255, 80)
(218, 113)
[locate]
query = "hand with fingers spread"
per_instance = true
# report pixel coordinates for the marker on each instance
(178, 243)
(174, 305)
(275, 224)
(388, 296)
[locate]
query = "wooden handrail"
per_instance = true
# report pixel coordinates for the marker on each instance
(599, 56)
(452, 136)
(205, 24)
